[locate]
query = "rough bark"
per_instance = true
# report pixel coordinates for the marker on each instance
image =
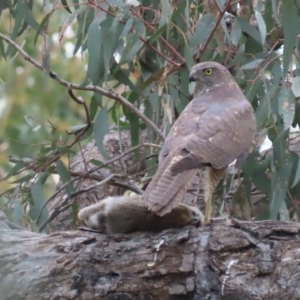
(226, 260)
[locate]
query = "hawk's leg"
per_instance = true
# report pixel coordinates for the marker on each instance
(211, 178)
(208, 209)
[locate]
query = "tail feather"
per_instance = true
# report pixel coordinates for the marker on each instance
(166, 190)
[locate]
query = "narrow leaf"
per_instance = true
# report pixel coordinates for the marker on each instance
(296, 86)
(280, 179)
(65, 176)
(101, 128)
(248, 28)
(261, 26)
(290, 22)
(286, 106)
(2, 49)
(94, 48)
(236, 33)
(20, 15)
(38, 202)
(203, 29)
(66, 6)
(297, 173)
(252, 65)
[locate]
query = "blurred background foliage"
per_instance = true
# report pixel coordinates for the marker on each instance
(129, 61)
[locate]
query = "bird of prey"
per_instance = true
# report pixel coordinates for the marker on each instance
(216, 128)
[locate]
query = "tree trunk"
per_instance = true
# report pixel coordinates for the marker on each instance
(226, 260)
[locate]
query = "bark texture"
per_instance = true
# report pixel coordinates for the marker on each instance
(226, 260)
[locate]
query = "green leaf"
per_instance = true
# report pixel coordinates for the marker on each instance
(296, 86)
(21, 10)
(65, 176)
(297, 173)
(284, 212)
(123, 76)
(260, 178)
(275, 5)
(188, 56)
(2, 49)
(236, 33)
(99, 163)
(239, 55)
(42, 26)
(85, 16)
(101, 128)
(127, 27)
(94, 48)
(110, 34)
(78, 127)
(254, 90)
(151, 165)
(25, 178)
(38, 202)
(29, 19)
(252, 64)
(157, 34)
(249, 29)
(203, 29)
(165, 13)
(137, 45)
(264, 110)
(282, 162)
(133, 121)
(66, 6)
(94, 105)
(261, 26)
(290, 22)
(3, 5)
(75, 211)
(286, 106)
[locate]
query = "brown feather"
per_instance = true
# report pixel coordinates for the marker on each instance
(167, 187)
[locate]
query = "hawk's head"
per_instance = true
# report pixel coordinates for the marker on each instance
(208, 74)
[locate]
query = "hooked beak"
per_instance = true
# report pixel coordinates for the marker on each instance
(192, 78)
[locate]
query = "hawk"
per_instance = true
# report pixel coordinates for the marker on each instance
(216, 128)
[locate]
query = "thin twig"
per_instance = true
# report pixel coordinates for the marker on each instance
(80, 101)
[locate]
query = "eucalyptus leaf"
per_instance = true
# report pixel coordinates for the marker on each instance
(286, 106)
(101, 128)
(296, 86)
(249, 29)
(38, 202)
(94, 47)
(281, 174)
(65, 176)
(203, 29)
(236, 33)
(261, 26)
(252, 64)
(290, 21)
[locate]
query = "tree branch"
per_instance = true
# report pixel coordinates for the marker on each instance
(109, 94)
(226, 260)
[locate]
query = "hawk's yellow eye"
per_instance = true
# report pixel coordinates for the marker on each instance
(208, 71)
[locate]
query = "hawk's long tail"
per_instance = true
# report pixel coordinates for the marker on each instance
(167, 189)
